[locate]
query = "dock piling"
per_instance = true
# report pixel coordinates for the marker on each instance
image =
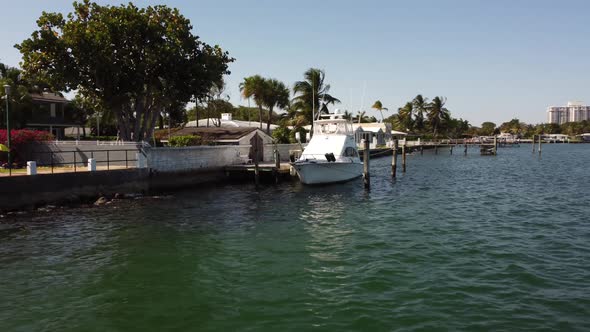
(256, 168)
(366, 175)
(495, 145)
(465, 150)
(533, 144)
(394, 159)
(540, 140)
(404, 158)
(277, 156)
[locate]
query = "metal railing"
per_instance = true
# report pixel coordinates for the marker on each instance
(142, 144)
(54, 159)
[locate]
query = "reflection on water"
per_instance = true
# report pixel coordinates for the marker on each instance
(496, 243)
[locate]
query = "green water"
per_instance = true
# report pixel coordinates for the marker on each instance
(457, 243)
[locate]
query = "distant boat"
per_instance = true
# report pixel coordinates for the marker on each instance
(331, 155)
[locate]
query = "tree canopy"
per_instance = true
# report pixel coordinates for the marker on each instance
(135, 61)
(311, 92)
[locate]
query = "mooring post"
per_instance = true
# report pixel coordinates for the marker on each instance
(256, 170)
(451, 150)
(404, 158)
(435, 148)
(277, 164)
(394, 159)
(495, 145)
(533, 143)
(465, 151)
(421, 150)
(366, 175)
(540, 139)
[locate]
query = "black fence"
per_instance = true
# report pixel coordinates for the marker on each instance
(118, 158)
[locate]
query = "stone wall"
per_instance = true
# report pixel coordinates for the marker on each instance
(193, 158)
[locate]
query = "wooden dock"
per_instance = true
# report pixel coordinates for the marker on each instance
(267, 171)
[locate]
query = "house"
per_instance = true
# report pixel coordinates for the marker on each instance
(226, 121)
(230, 136)
(50, 112)
(555, 138)
(379, 131)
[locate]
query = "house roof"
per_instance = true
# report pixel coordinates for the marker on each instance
(216, 133)
(230, 123)
(49, 97)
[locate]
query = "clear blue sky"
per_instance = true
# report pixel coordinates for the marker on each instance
(493, 60)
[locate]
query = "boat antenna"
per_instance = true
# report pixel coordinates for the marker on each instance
(312, 102)
(363, 96)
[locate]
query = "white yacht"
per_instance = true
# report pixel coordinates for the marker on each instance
(331, 155)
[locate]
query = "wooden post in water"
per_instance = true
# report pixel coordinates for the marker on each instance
(540, 139)
(421, 150)
(451, 150)
(366, 175)
(533, 143)
(394, 159)
(465, 151)
(404, 158)
(256, 170)
(277, 164)
(495, 145)
(435, 148)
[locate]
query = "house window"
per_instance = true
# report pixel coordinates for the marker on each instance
(52, 110)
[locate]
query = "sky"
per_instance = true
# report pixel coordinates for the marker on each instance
(492, 60)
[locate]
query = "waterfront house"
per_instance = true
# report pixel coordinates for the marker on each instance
(49, 112)
(375, 130)
(555, 138)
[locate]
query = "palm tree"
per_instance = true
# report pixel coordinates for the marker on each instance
(362, 116)
(255, 87)
(404, 117)
(277, 94)
(347, 115)
(420, 107)
(437, 114)
(310, 92)
(378, 106)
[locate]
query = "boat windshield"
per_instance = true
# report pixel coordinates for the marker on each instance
(332, 128)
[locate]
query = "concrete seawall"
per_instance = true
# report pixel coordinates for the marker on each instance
(20, 192)
(167, 169)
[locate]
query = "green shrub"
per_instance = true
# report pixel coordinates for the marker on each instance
(187, 140)
(281, 135)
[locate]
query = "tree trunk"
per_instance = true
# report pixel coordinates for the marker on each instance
(260, 115)
(268, 122)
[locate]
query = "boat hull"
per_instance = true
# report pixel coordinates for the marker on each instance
(327, 172)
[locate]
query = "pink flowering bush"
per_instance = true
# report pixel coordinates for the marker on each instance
(20, 138)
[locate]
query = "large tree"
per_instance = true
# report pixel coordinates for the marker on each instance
(404, 121)
(135, 61)
(378, 106)
(255, 87)
(311, 92)
(420, 108)
(277, 95)
(438, 114)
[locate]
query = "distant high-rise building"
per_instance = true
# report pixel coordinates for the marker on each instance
(573, 112)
